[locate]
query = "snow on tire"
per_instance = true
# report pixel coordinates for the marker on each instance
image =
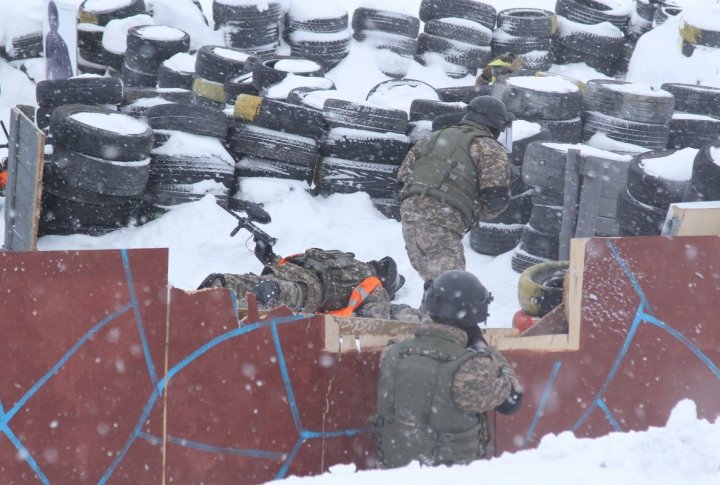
(529, 22)
(469, 9)
(660, 178)
(331, 19)
(272, 71)
(255, 141)
(249, 166)
(522, 260)
(549, 97)
(365, 146)
(336, 175)
(219, 63)
(691, 130)
(560, 131)
(100, 133)
(691, 98)
(454, 52)
(539, 243)
(76, 90)
(187, 118)
(279, 116)
(149, 45)
(385, 21)
(460, 29)
(648, 135)
(177, 72)
(629, 101)
(342, 113)
(100, 13)
(594, 12)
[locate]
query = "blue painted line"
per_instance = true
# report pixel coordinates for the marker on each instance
(613, 370)
(23, 400)
(24, 453)
(196, 445)
(613, 422)
(138, 315)
(286, 379)
(694, 348)
(288, 461)
(307, 434)
(628, 272)
(543, 402)
(161, 385)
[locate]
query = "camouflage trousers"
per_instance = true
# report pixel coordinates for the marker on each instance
(433, 233)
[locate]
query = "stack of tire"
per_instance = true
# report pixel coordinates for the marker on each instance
(272, 138)
(25, 46)
(623, 113)
(114, 40)
(525, 32)
(76, 90)
(363, 150)
(270, 72)
(544, 169)
(553, 102)
(583, 35)
(94, 181)
(655, 180)
(459, 32)
(92, 18)
(318, 34)
(705, 179)
(250, 26)
(137, 101)
(696, 119)
(214, 67)
(189, 160)
(177, 72)
(393, 34)
(147, 47)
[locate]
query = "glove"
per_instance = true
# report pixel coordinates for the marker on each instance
(495, 199)
(511, 404)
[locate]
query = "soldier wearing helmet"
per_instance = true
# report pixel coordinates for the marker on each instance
(435, 389)
(452, 178)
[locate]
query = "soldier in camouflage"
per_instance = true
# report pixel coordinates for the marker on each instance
(319, 281)
(435, 389)
(452, 178)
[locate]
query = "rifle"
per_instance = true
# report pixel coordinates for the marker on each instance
(263, 241)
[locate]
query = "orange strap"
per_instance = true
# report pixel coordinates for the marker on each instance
(3, 179)
(358, 295)
(286, 259)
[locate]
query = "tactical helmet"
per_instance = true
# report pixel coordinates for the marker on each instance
(489, 111)
(456, 297)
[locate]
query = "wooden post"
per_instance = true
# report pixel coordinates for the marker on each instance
(570, 200)
(592, 171)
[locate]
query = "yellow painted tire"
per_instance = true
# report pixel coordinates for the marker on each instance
(540, 288)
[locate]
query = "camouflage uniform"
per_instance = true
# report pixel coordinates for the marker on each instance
(433, 229)
(482, 381)
(312, 291)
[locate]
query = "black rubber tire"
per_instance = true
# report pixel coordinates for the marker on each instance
(107, 177)
(468, 9)
(342, 113)
(299, 96)
(463, 94)
(173, 95)
(598, 51)
(208, 93)
(42, 117)
(645, 9)
(280, 116)
(167, 77)
(692, 194)
(365, 146)
(519, 147)
(522, 260)
(706, 171)
(240, 85)
(80, 137)
(637, 219)
(527, 22)
(265, 74)
(137, 79)
(526, 102)
(699, 35)
(26, 46)
(590, 12)
(188, 170)
(253, 141)
(102, 17)
(548, 217)
(101, 90)
(601, 95)
(146, 51)
(263, 167)
(494, 239)
(326, 52)
(540, 287)
(385, 21)
(503, 43)
(460, 53)
(89, 38)
(651, 189)
(693, 131)
(248, 13)
(560, 131)
(663, 12)
(162, 195)
(63, 216)
(648, 135)
(384, 88)
(321, 25)
(427, 109)
(389, 207)
(188, 118)
(399, 44)
(335, 175)
(517, 211)
(544, 167)
(539, 243)
(260, 39)
(448, 28)
(691, 98)
(219, 63)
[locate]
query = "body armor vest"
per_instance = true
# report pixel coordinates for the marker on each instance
(417, 418)
(445, 170)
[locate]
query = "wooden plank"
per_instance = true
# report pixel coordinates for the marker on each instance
(570, 198)
(606, 227)
(693, 219)
(573, 305)
(593, 170)
(607, 207)
(25, 166)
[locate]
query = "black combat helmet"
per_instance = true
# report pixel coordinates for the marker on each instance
(489, 111)
(456, 297)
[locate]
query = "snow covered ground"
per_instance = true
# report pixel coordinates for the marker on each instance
(683, 452)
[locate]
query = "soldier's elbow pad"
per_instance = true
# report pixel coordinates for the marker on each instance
(495, 199)
(511, 404)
